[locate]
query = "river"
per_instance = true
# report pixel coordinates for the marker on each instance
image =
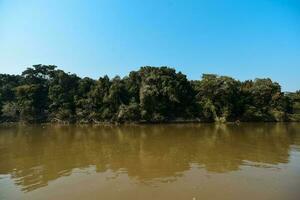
(166, 161)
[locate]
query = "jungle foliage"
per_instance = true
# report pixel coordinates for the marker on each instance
(43, 93)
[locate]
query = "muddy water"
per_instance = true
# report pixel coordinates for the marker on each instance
(206, 161)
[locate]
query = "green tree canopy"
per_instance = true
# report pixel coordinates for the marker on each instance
(44, 93)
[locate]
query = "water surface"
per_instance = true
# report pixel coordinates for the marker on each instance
(191, 161)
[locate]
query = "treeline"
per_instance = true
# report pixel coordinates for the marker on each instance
(44, 93)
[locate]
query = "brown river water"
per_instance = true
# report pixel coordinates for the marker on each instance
(143, 162)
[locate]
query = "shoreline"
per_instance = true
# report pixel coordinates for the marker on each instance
(147, 123)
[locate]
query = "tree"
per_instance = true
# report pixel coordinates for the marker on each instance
(38, 74)
(152, 94)
(129, 112)
(218, 96)
(99, 92)
(116, 97)
(164, 94)
(30, 102)
(8, 108)
(84, 106)
(32, 95)
(264, 101)
(62, 91)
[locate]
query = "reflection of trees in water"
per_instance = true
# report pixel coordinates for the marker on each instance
(36, 155)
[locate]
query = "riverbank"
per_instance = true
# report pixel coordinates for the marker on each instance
(292, 119)
(149, 95)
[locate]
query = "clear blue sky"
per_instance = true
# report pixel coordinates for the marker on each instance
(244, 39)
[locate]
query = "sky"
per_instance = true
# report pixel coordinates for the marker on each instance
(245, 39)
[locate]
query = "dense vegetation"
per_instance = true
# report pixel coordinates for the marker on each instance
(44, 93)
